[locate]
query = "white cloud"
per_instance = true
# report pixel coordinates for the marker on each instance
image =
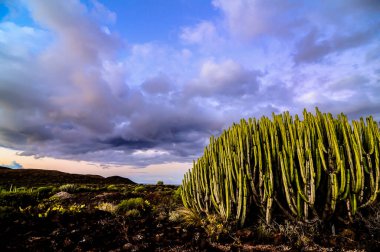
(204, 33)
(247, 19)
(151, 153)
(226, 78)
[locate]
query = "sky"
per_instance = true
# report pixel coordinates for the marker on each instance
(135, 88)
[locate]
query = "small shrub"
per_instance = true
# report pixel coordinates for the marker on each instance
(133, 203)
(112, 188)
(133, 213)
(107, 207)
(175, 216)
(215, 227)
(263, 230)
(75, 208)
(84, 188)
(70, 188)
(139, 189)
(160, 182)
(60, 209)
(188, 217)
(18, 199)
(43, 191)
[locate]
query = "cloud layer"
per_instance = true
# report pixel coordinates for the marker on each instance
(73, 87)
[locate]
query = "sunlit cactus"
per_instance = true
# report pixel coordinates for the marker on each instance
(305, 169)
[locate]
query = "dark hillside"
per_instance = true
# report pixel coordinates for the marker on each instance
(39, 177)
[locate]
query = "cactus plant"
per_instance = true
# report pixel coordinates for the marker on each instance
(304, 168)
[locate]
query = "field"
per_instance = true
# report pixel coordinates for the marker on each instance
(115, 214)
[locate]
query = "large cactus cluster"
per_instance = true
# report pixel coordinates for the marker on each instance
(306, 169)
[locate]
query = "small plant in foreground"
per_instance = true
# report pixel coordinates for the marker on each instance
(70, 188)
(175, 216)
(18, 198)
(133, 213)
(134, 203)
(60, 209)
(107, 207)
(215, 227)
(112, 188)
(139, 189)
(44, 191)
(187, 217)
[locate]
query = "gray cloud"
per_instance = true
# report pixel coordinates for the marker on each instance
(312, 48)
(160, 84)
(227, 78)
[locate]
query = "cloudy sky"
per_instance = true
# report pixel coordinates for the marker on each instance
(136, 87)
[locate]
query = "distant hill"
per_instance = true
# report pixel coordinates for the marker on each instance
(40, 177)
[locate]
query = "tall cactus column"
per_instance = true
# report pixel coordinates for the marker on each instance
(304, 168)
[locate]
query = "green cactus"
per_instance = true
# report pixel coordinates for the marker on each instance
(304, 168)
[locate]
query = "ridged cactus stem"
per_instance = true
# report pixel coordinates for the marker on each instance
(305, 168)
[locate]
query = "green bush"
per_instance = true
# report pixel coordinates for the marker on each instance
(112, 188)
(160, 182)
(186, 217)
(107, 207)
(58, 209)
(18, 199)
(44, 191)
(133, 213)
(139, 189)
(70, 188)
(85, 188)
(134, 203)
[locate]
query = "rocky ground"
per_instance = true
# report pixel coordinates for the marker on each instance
(129, 217)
